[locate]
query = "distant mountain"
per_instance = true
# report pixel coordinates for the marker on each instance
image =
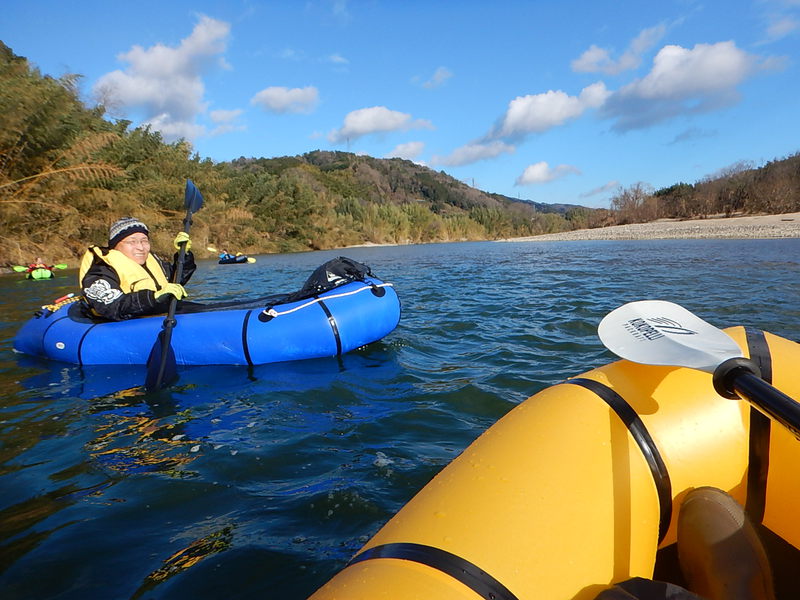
(543, 207)
(400, 181)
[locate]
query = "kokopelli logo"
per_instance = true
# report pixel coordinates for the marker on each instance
(654, 328)
(669, 326)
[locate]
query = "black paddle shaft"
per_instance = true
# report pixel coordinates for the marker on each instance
(166, 358)
(169, 320)
(740, 378)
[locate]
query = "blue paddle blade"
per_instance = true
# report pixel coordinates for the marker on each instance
(161, 365)
(193, 199)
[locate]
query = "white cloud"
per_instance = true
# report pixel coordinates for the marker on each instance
(598, 60)
(692, 134)
(174, 130)
(165, 83)
(706, 68)
(683, 81)
(471, 153)
(287, 100)
(593, 60)
(338, 59)
(438, 78)
(611, 185)
(539, 112)
(225, 120)
(409, 150)
(290, 54)
(376, 119)
(781, 27)
(340, 11)
(224, 116)
(541, 172)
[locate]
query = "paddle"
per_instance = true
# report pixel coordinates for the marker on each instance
(21, 269)
(656, 332)
(161, 368)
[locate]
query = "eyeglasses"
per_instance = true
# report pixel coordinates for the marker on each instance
(140, 242)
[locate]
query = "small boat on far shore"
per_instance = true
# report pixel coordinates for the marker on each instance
(238, 259)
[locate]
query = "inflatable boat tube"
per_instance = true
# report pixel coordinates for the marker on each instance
(328, 324)
(579, 486)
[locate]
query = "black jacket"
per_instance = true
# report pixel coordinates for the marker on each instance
(102, 293)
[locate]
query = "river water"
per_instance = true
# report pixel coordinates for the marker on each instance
(263, 482)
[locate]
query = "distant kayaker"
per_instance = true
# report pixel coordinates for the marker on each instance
(38, 269)
(39, 264)
(125, 280)
(224, 255)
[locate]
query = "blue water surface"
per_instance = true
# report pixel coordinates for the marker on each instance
(263, 482)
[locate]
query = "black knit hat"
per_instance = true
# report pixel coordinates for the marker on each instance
(125, 227)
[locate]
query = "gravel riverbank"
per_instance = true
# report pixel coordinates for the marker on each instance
(760, 227)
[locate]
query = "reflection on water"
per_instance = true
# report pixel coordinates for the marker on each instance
(187, 557)
(242, 482)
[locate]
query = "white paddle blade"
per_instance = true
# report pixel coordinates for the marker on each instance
(656, 332)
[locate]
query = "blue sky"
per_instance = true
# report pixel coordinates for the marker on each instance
(548, 101)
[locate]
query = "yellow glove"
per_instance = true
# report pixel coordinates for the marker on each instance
(182, 237)
(171, 288)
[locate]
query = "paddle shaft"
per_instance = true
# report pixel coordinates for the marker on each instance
(169, 321)
(770, 401)
(741, 378)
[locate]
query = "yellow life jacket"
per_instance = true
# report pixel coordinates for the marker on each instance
(132, 276)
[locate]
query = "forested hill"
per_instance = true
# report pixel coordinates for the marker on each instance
(399, 181)
(328, 199)
(399, 201)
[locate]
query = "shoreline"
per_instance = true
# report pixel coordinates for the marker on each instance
(747, 227)
(780, 226)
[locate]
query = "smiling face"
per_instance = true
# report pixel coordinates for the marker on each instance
(136, 247)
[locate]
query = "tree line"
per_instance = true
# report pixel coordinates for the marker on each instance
(740, 189)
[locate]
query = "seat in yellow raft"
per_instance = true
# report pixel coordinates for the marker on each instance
(578, 487)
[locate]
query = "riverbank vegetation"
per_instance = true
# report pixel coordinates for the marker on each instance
(67, 172)
(741, 189)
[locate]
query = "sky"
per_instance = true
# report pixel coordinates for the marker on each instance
(556, 102)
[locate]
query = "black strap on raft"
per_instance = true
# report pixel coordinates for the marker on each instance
(245, 346)
(476, 579)
(760, 428)
(334, 327)
(644, 441)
